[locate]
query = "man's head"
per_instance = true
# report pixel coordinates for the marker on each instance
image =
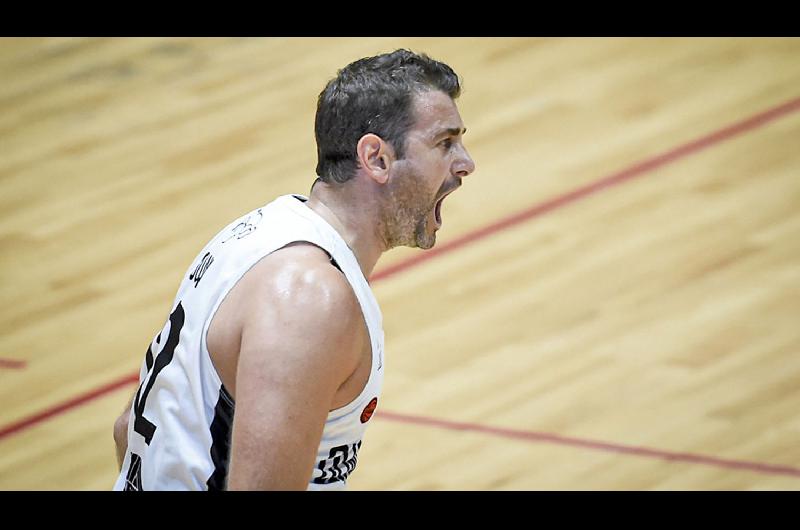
(393, 118)
(373, 95)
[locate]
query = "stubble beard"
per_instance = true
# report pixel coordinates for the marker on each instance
(405, 221)
(406, 226)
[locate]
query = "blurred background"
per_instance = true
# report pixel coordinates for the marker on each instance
(613, 302)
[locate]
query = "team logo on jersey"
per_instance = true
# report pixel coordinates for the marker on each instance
(369, 410)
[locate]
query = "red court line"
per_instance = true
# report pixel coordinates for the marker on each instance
(67, 405)
(12, 363)
(533, 436)
(627, 174)
(604, 183)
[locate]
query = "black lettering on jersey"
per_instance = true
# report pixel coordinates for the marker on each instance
(133, 480)
(340, 463)
(201, 268)
(141, 424)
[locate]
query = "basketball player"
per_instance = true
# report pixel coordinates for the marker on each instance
(270, 364)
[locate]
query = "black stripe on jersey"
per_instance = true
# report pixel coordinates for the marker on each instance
(221, 428)
(333, 262)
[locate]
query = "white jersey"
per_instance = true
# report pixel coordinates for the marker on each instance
(181, 417)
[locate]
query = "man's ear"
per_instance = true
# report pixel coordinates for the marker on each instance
(375, 157)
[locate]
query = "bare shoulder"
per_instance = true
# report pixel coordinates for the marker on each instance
(297, 292)
(302, 275)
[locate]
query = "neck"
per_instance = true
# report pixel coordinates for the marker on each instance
(354, 217)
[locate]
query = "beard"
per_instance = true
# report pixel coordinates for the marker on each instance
(409, 216)
(412, 228)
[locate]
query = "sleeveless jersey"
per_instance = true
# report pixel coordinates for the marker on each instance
(182, 416)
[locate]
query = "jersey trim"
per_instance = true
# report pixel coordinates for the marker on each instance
(221, 440)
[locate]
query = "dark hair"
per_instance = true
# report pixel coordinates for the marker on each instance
(373, 95)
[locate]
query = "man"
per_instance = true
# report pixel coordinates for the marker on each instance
(275, 319)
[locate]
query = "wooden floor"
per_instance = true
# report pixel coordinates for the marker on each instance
(640, 334)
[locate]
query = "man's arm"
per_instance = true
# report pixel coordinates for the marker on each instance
(121, 432)
(300, 341)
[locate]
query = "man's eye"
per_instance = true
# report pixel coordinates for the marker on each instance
(448, 143)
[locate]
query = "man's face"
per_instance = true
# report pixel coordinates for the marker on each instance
(435, 162)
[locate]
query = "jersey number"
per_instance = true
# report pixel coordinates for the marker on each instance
(141, 424)
(133, 480)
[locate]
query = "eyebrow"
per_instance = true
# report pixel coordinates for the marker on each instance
(452, 131)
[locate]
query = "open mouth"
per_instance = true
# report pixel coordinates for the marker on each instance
(438, 211)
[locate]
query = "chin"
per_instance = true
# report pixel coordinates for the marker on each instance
(428, 244)
(424, 240)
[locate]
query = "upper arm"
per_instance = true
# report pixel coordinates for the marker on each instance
(299, 343)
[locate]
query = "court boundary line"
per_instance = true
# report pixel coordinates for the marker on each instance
(67, 405)
(596, 445)
(12, 363)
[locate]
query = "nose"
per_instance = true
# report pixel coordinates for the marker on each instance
(464, 165)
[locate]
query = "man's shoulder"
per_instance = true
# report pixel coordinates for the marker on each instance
(302, 275)
(296, 296)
